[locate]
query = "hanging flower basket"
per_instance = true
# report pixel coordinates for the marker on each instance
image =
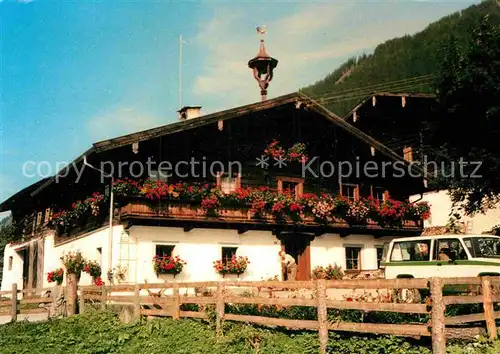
(73, 262)
(56, 276)
(93, 269)
(274, 150)
(297, 153)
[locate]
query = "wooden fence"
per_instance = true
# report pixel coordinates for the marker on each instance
(27, 302)
(169, 299)
(166, 299)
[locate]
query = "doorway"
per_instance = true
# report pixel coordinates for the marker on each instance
(298, 246)
(24, 255)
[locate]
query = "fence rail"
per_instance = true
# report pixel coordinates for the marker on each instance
(166, 299)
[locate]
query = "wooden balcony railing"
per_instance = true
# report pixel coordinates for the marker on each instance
(190, 210)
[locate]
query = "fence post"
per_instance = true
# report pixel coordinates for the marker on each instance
(14, 302)
(137, 302)
(220, 304)
(322, 314)
(176, 311)
(81, 301)
(489, 314)
(71, 288)
(103, 297)
(437, 313)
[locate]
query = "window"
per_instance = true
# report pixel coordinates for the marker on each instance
(448, 249)
(294, 186)
(487, 247)
(164, 250)
(408, 153)
(156, 175)
(353, 258)
(380, 254)
(227, 183)
(411, 251)
(11, 259)
(228, 253)
(379, 194)
(350, 191)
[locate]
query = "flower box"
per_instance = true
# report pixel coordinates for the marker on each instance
(168, 265)
(237, 265)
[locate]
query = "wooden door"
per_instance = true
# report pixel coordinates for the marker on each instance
(298, 247)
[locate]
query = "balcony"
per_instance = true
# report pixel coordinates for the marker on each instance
(190, 211)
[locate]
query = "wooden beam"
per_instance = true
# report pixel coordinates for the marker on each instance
(345, 233)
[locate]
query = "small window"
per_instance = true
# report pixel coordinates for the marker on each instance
(292, 186)
(379, 194)
(350, 191)
(353, 258)
(158, 175)
(164, 250)
(228, 184)
(411, 251)
(228, 253)
(11, 259)
(380, 254)
(448, 249)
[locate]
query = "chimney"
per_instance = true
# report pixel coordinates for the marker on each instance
(189, 112)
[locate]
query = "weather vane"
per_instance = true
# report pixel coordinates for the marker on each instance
(262, 30)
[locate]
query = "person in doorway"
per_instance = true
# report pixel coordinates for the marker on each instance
(289, 265)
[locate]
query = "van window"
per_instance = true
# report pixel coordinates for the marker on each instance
(448, 249)
(417, 250)
(486, 247)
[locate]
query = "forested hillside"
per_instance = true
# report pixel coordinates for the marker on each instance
(405, 64)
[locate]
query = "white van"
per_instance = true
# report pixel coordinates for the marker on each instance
(443, 256)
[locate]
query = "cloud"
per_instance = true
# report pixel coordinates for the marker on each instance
(120, 121)
(309, 42)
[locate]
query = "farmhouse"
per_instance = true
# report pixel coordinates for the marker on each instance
(303, 205)
(218, 196)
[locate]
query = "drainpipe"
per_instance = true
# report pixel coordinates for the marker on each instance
(111, 211)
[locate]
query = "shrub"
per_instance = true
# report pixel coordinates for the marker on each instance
(329, 272)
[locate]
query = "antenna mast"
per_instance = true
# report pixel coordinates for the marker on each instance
(180, 71)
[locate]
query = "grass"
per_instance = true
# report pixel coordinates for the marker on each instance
(101, 332)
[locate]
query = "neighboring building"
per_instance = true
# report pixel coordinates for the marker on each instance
(176, 223)
(441, 206)
(396, 120)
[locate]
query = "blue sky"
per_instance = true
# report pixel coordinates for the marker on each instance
(82, 71)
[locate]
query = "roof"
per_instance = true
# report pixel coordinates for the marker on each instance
(388, 94)
(444, 235)
(296, 97)
(7, 204)
(434, 230)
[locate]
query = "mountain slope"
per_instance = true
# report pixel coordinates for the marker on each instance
(402, 64)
